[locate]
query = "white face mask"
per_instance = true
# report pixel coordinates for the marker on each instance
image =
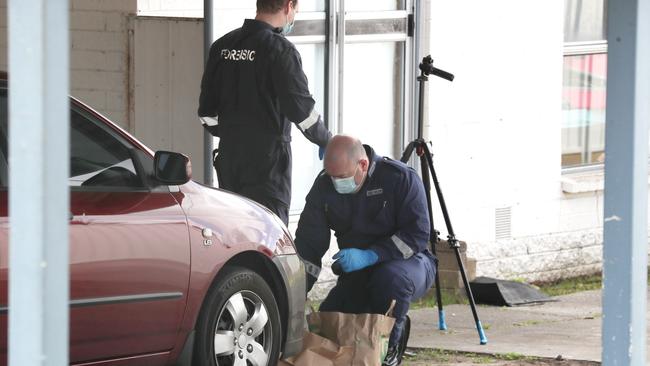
(346, 185)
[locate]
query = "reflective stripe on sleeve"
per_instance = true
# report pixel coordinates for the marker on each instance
(311, 268)
(309, 121)
(210, 121)
(406, 251)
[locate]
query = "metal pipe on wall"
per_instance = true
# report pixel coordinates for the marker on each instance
(208, 35)
(39, 121)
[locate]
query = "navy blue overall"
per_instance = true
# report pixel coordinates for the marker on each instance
(253, 88)
(387, 215)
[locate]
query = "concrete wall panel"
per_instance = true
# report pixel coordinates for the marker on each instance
(167, 67)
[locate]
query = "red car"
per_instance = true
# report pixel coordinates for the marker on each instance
(164, 270)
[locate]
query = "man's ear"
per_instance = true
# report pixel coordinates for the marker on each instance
(364, 164)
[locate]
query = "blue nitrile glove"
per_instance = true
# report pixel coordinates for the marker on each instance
(321, 152)
(353, 259)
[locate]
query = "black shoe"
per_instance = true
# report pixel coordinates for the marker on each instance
(392, 357)
(395, 353)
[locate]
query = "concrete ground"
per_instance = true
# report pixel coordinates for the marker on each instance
(569, 328)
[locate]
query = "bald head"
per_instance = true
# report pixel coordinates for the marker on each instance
(343, 155)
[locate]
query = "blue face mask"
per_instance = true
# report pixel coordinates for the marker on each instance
(345, 185)
(287, 28)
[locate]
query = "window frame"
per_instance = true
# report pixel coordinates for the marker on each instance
(335, 26)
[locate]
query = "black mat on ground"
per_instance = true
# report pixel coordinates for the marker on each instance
(492, 291)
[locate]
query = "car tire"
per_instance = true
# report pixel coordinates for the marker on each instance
(239, 323)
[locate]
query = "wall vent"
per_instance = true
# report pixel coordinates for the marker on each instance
(503, 223)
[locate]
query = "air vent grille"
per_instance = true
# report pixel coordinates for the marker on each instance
(503, 223)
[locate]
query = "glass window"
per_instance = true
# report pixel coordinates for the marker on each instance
(306, 164)
(370, 113)
(585, 20)
(376, 26)
(375, 5)
(99, 158)
(584, 83)
(311, 5)
(583, 108)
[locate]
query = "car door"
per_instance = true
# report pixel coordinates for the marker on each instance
(130, 253)
(129, 247)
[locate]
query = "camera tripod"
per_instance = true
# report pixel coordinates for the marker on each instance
(428, 172)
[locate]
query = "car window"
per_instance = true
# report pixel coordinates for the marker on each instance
(98, 156)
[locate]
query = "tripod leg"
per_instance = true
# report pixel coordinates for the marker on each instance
(433, 239)
(407, 152)
(470, 296)
(454, 243)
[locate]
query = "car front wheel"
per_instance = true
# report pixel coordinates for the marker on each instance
(239, 323)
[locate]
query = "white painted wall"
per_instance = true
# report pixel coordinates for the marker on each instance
(496, 128)
(496, 132)
(98, 56)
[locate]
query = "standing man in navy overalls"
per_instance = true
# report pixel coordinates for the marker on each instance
(253, 89)
(377, 209)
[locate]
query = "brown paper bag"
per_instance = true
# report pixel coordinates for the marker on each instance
(340, 339)
(319, 351)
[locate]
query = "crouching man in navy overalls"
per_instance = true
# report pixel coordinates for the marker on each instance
(377, 209)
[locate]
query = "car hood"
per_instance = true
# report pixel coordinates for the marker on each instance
(233, 219)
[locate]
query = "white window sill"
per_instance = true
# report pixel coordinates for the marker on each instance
(583, 182)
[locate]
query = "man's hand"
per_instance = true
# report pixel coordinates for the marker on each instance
(353, 259)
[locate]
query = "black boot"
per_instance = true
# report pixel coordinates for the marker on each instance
(392, 356)
(405, 338)
(396, 352)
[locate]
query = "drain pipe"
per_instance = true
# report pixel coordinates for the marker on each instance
(208, 12)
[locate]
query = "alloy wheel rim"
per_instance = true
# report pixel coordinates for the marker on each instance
(243, 332)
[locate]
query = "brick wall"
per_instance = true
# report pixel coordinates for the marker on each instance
(99, 52)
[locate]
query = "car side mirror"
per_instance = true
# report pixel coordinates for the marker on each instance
(172, 168)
